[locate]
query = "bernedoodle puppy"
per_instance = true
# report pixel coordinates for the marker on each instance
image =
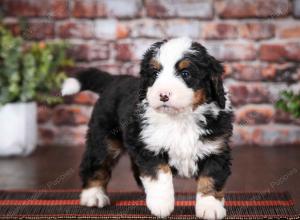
(174, 120)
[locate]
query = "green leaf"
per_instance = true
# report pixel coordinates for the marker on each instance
(33, 73)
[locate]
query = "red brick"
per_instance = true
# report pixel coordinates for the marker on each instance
(38, 30)
(59, 8)
(112, 8)
(254, 114)
(147, 28)
(243, 93)
(280, 52)
(70, 136)
(44, 113)
(285, 118)
(76, 29)
(272, 52)
(84, 8)
(25, 8)
(113, 68)
(182, 28)
(90, 51)
(88, 9)
(245, 72)
(179, 8)
(257, 31)
(280, 72)
(68, 115)
(253, 8)
(219, 31)
(286, 72)
(110, 29)
(132, 51)
(130, 68)
(46, 136)
(123, 9)
(14, 27)
(296, 8)
(122, 31)
(279, 135)
(293, 51)
(242, 135)
(232, 51)
(124, 52)
(266, 135)
(227, 70)
(289, 31)
(85, 98)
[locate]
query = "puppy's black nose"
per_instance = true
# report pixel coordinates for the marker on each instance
(164, 98)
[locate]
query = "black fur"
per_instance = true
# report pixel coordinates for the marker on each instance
(117, 115)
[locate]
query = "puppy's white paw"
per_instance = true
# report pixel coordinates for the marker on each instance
(160, 194)
(160, 205)
(94, 197)
(208, 207)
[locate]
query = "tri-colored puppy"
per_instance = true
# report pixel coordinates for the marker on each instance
(174, 120)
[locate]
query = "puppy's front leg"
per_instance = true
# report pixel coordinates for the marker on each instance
(209, 202)
(160, 192)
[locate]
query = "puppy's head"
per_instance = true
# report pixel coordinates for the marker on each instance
(178, 75)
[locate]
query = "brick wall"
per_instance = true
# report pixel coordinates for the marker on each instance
(258, 40)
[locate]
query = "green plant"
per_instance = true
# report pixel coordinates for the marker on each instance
(289, 102)
(30, 72)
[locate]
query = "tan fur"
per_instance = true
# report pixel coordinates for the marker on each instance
(184, 64)
(165, 168)
(205, 185)
(199, 98)
(101, 177)
(155, 64)
(115, 147)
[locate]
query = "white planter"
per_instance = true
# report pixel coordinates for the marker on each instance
(18, 128)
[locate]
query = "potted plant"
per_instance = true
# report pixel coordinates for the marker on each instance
(29, 73)
(289, 102)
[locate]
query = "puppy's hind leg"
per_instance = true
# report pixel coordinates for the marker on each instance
(101, 155)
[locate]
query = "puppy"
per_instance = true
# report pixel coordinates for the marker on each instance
(173, 120)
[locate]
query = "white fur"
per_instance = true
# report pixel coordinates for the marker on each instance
(179, 136)
(173, 50)
(208, 207)
(159, 194)
(167, 82)
(94, 196)
(70, 86)
(180, 98)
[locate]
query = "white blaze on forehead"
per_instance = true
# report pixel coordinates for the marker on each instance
(172, 51)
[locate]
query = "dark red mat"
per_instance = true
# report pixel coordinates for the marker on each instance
(46, 204)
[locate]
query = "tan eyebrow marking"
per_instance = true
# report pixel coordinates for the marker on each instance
(155, 64)
(184, 64)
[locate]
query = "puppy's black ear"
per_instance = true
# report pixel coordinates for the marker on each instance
(216, 70)
(148, 55)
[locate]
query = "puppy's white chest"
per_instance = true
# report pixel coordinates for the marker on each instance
(178, 136)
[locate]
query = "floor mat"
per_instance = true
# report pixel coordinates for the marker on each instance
(64, 204)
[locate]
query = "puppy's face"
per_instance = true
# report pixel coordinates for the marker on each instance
(178, 75)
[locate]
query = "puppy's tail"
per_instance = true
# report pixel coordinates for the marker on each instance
(90, 79)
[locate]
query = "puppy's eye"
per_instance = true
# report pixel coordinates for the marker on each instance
(185, 74)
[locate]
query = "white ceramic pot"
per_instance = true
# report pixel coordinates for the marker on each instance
(18, 128)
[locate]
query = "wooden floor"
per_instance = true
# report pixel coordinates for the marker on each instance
(254, 169)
